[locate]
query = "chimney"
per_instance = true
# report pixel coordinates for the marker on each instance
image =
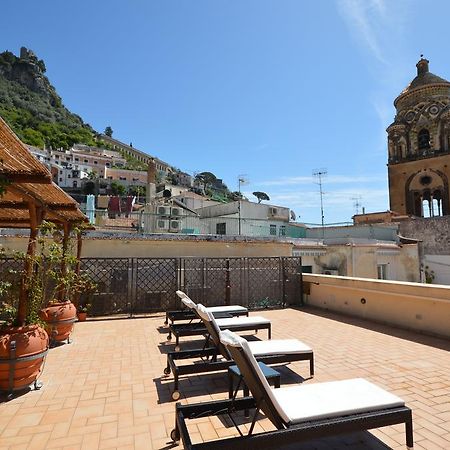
(151, 181)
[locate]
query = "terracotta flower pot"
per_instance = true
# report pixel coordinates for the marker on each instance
(30, 342)
(60, 318)
(81, 316)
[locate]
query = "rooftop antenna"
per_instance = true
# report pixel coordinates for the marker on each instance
(319, 174)
(242, 180)
(357, 203)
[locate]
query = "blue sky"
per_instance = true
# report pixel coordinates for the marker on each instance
(271, 89)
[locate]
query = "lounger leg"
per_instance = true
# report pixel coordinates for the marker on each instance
(269, 331)
(246, 394)
(311, 365)
(175, 393)
(167, 369)
(409, 432)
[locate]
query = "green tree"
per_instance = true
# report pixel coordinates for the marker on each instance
(117, 188)
(207, 179)
(261, 196)
(109, 131)
(114, 186)
(89, 188)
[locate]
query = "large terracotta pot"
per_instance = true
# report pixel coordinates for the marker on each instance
(60, 318)
(22, 354)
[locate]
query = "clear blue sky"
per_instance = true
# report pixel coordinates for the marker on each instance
(270, 89)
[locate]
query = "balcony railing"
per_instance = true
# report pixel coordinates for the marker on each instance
(148, 223)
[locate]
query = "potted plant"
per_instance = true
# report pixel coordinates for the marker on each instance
(82, 312)
(24, 342)
(60, 282)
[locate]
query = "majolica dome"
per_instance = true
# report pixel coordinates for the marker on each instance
(424, 79)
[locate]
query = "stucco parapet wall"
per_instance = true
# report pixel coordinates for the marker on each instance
(360, 242)
(127, 236)
(437, 292)
(420, 307)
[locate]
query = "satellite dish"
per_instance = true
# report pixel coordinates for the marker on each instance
(293, 216)
(167, 193)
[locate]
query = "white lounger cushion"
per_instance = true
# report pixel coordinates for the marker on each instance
(278, 346)
(190, 304)
(332, 399)
(321, 400)
(240, 321)
(225, 309)
(205, 314)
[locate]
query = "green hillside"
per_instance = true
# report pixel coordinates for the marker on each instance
(33, 109)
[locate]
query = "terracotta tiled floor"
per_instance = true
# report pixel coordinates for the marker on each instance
(105, 390)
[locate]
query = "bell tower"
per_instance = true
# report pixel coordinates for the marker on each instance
(419, 147)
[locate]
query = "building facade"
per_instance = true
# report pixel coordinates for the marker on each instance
(419, 147)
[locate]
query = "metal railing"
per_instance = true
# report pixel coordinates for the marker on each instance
(148, 223)
(145, 285)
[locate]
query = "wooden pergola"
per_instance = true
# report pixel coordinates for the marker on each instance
(30, 198)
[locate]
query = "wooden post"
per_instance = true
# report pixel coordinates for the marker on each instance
(29, 265)
(76, 299)
(79, 247)
(65, 247)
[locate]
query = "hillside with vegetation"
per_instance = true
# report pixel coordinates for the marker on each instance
(33, 109)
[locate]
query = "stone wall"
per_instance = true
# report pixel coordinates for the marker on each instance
(433, 232)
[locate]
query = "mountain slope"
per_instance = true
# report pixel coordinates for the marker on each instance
(33, 109)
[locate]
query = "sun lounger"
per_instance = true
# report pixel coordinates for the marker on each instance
(189, 313)
(218, 358)
(299, 413)
(225, 321)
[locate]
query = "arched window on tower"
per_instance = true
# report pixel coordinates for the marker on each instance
(423, 139)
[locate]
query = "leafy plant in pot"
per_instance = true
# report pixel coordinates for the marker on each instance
(23, 341)
(61, 282)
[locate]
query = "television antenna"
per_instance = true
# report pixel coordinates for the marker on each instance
(357, 203)
(242, 181)
(319, 174)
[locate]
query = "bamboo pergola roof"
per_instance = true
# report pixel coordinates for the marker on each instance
(17, 164)
(55, 204)
(30, 184)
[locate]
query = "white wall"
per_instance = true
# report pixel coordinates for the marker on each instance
(440, 265)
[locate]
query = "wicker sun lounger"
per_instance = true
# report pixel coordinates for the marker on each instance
(217, 358)
(299, 413)
(189, 314)
(225, 321)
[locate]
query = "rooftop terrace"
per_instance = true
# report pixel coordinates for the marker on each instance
(105, 390)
